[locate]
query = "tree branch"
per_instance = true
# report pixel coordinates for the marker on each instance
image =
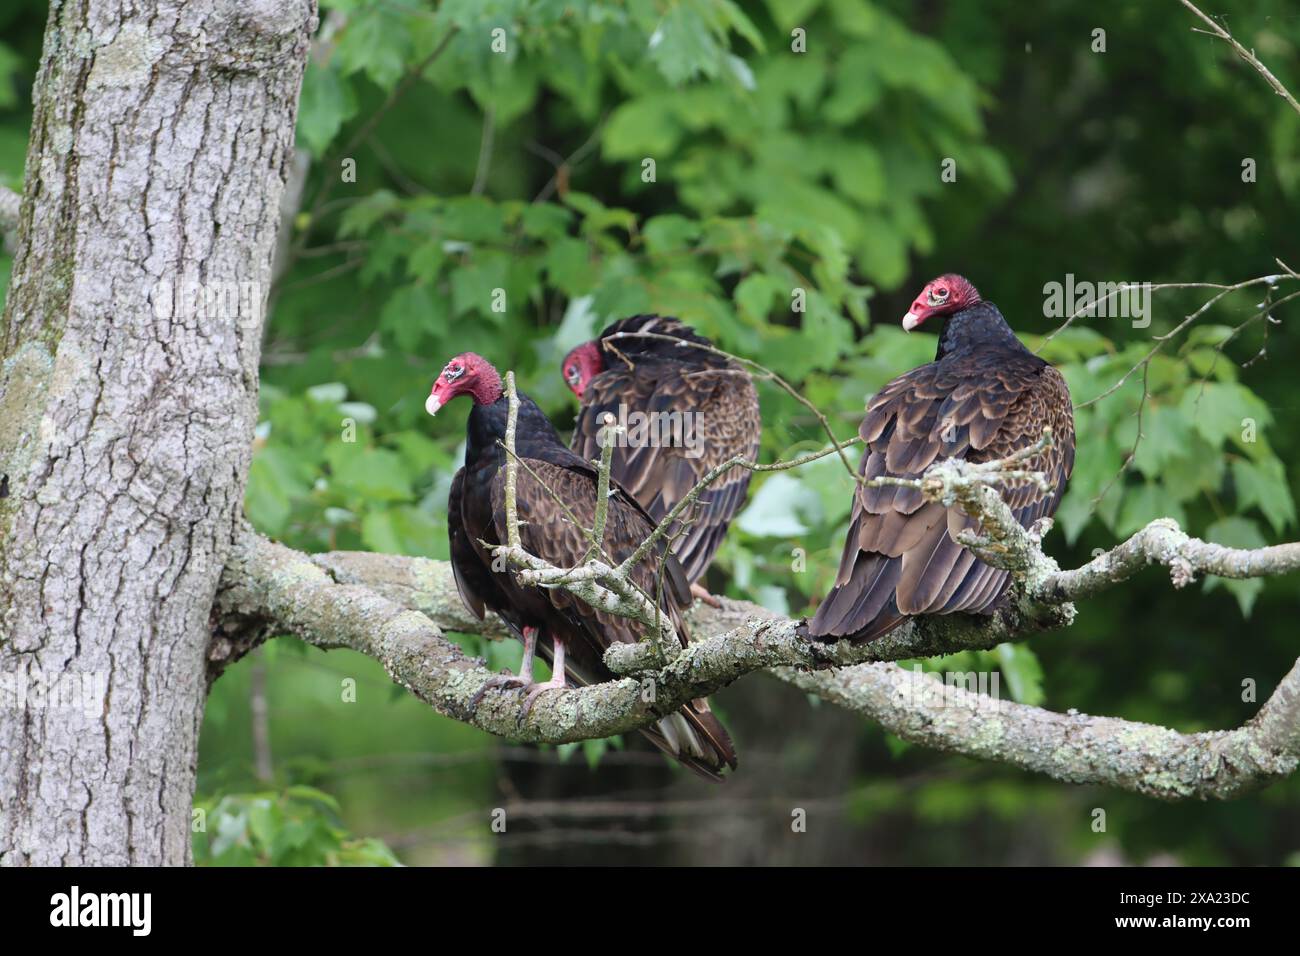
(1075, 748)
(393, 609)
(381, 606)
(1247, 55)
(1163, 542)
(512, 465)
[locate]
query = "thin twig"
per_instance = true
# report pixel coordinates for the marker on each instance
(607, 435)
(1247, 55)
(484, 152)
(595, 582)
(1162, 340)
(763, 370)
(362, 133)
(512, 465)
(1150, 287)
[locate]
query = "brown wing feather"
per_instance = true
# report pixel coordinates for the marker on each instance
(723, 407)
(548, 531)
(901, 557)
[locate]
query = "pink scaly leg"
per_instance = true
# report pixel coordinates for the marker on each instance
(508, 681)
(556, 682)
(699, 593)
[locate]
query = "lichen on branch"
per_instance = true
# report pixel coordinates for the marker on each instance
(394, 609)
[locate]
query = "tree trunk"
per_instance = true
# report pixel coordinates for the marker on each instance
(162, 135)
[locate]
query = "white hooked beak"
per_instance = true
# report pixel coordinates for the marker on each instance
(910, 321)
(432, 404)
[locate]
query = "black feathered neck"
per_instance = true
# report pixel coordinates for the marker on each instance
(980, 326)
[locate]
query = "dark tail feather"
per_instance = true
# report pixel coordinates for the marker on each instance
(864, 607)
(885, 622)
(693, 736)
(696, 739)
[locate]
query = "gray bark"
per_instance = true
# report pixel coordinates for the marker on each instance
(160, 144)
(395, 609)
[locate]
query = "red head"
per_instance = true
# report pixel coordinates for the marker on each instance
(942, 296)
(466, 374)
(581, 365)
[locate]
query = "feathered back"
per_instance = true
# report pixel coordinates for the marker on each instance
(984, 397)
(556, 493)
(700, 408)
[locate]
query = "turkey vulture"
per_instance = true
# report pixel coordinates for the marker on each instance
(554, 488)
(983, 397)
(700, 409)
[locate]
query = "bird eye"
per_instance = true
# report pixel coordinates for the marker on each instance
(572, 374)
(938, 296)
(453, 372)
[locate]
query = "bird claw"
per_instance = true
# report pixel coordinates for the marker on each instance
(505, 681)
(699, 592)
(536, 691)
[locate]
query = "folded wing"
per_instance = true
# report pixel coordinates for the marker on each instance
(902, 557)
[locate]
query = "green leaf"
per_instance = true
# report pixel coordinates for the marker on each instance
(545, 221)
(369, 473)
(11, 67)
(426, 260)
(1263, 484)
(275, 478)
(264, 818)
(1020, 666)
(740, 22)
(327, 103)
(401, 530)
(411, 313)
(669, 233)
(474, 219)
(374, 40)
(474, 286)
(569, 266)
(1224, 410)
(782, 508)
(639, 128)
(791, 13)
(1166, 436)
(361, 216)
(1144, 503)
(754, 297)
(683, 46)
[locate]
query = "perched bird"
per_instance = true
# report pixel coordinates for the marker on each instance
(982, 398)
(699, 409)
(554, 489)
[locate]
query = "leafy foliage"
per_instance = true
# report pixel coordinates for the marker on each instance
(298, 827)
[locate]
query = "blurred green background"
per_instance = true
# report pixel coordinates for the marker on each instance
(796, 144)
